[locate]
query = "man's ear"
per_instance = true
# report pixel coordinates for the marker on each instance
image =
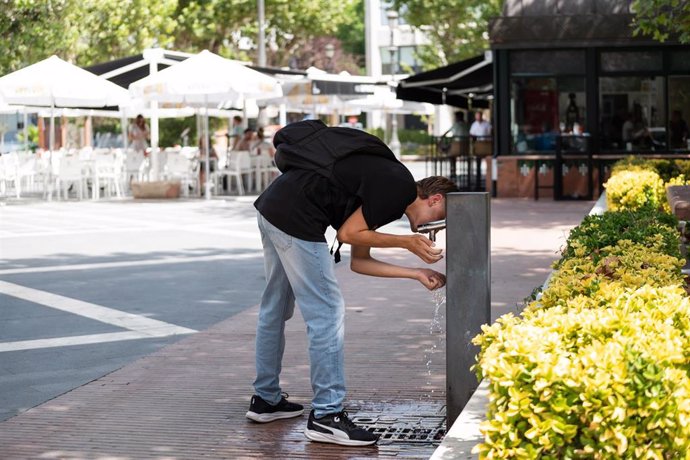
(434, 199)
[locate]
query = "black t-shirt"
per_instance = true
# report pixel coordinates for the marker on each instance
(304, 203)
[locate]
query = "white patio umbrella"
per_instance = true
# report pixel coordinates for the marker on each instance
(206, 80)
(391, 105)
(53, 82)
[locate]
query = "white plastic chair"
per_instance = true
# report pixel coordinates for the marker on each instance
(9, 173)
(68, 171)
(135, 166)
(45, 172)
(106, 168)
(182, 168)
(238, 165)
(26, 170)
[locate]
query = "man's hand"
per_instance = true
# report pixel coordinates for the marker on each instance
(431, 279)
(423, 247)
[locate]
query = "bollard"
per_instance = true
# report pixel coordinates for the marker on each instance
(468, 292)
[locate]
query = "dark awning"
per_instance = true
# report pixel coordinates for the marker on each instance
(129, 69)
(453, 84)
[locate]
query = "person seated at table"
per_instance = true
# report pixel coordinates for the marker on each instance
(262, 145)
(459, 128)
(576, 141)
(480, 128)
(635, 132)
(455, 141)
(234, 133)
(247, 140)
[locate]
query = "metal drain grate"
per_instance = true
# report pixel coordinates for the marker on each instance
(405, 429)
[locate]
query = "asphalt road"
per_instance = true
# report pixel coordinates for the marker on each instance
(87, 287)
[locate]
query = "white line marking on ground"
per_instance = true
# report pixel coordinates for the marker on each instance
(75, 340)
(139, 327)
(253, 235)
(106, 315)
(129, 263)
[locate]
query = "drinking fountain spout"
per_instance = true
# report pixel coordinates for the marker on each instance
(432, 228)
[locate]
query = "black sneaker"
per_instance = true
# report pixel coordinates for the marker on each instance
(263, 412)
(338, 429)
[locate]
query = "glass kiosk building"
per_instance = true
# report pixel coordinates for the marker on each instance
(570, 78)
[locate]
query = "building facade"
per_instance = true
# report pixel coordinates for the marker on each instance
(574, 68)
(388, 42)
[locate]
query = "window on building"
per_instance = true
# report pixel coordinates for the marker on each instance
(385, 6)
(552, 62)
(406, 60)
(544, 107)
(679, 111)
(386, 55)
(632, 113)
(631, 61)
(680, 61)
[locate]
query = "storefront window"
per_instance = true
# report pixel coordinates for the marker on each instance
(631, 61)
(632, 113)
(552, 62)
(679, 110)
(543, 108)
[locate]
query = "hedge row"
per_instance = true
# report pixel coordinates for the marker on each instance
(598, 366)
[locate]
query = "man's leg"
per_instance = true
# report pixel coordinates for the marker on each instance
(277, 306)
(311, 273)
(310, 269)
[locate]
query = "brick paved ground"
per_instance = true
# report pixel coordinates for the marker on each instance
(188, 400)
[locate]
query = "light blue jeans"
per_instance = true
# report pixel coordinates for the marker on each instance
(302, 271)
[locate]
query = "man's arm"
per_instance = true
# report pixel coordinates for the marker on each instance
(361, 262)
(355, 232)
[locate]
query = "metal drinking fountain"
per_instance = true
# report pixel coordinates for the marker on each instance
(432, 228)
(468, 291)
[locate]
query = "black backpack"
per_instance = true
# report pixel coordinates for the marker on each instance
(313, 146)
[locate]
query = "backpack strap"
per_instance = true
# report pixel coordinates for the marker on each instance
(350, 207)
(336, 256)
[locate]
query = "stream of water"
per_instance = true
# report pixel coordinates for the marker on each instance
(437, 330)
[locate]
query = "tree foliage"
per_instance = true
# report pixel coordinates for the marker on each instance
(91, 31)
(119, 28)
(31, 30)
(457, 29)
(662, 19)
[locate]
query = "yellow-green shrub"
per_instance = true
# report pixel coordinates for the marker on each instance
(668, 170)
(643, 226)
(634, 190)
(598, 367)
(624, 265)
(582, 381)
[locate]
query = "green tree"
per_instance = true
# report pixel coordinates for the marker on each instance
(91, 31)
(292, 24)
(31, 30)
(457, 29)
(662, 19)
(230, 27)
(214, 25)
(109, 29)
(351, 31)
(84, 32)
